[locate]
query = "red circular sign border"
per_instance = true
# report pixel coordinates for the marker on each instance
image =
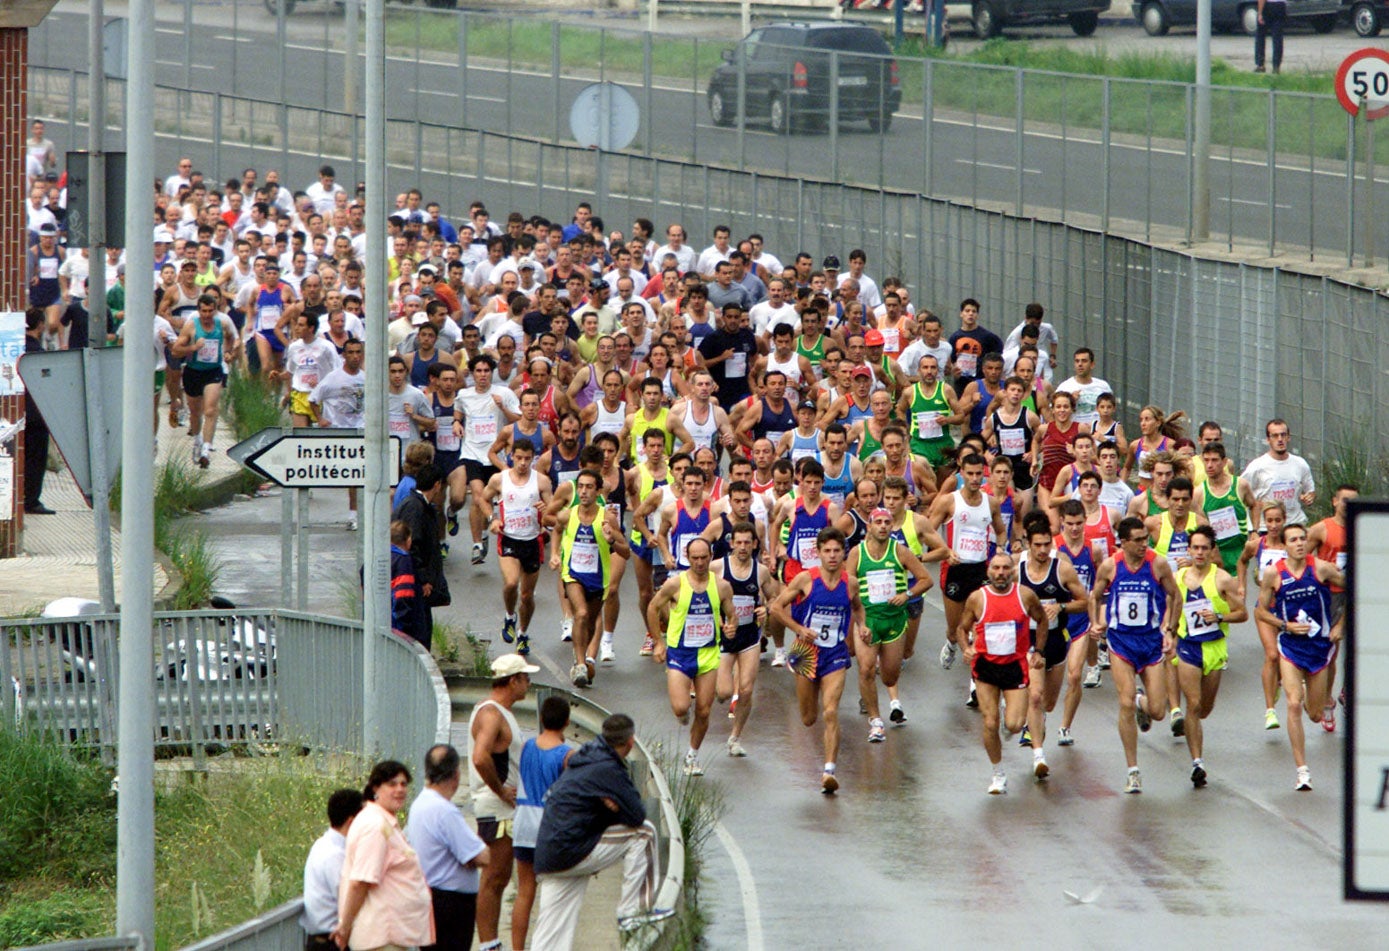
(1368, 52)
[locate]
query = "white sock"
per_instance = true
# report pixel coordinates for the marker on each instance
(1132, 770)
(691, 755)
(1199, 762)
(894, 704)
(1036, 754)
(607, 637)
(829, 767)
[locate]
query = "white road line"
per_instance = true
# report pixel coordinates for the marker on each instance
(1256, 204)
(752, 908)
(227, 37)
(1003, 168)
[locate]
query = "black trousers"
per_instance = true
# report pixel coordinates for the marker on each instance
(454, 917)
(1275, 15)
(35, 453)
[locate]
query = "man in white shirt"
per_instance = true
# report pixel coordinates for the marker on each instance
(710, 257)
(479, 413)
(929, 343)
(339, 400)
(1280, 476)
(776, 309)
(180, 178)
(1047, 340)
(867, 287)
(675, 244)
(1086, 388)
(323, 869)
(449, 851)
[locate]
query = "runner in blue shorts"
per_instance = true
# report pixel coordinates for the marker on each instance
(1135, 601)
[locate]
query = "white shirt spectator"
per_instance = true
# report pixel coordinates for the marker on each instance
(75, 268)
(38, 217)
(1010, 358)
(910, 358)
(1087, 395)
(710, 257)
(685, 256)
(763, 317)
(1047, 340)
(322, 198)
(322, 872)
(867, 290)
(769, 265)
(174, 182)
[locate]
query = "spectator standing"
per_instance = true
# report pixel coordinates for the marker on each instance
(449, 852)
(594, 818)
(409, 614)
(323, 871)
(1272, 15)
(35, 429)
(542, 760)
(383, 898)
(420, 513)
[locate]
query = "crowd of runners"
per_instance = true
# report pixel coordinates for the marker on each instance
(787, 455)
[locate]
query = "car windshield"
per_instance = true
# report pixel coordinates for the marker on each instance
(855, 39)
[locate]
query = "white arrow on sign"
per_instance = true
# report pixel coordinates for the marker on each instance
(311, 458)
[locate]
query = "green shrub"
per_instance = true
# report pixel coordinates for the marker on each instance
(253, 404)
(56, 916)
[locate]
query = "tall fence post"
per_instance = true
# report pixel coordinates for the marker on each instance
(927, 78)
(1021, 121)
(555, 75)
(833, 116)
(1272, 170)
(646, 89)
(463, 69)
(1350, 190)
(1104, 158)
(1190, 167)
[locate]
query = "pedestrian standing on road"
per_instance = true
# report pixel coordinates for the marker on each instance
(543, 758)
(449, 851)
(35, 429)
(420, 513)
(593, 819)
(493, 767)
(383, 900)
(323, 871)
(1272, 15)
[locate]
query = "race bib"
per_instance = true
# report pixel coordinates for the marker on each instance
(928, 424)
(882, 585)
(1283, 490)
(827, 628)
(1270, 557)
(699, 631)
(1195, 624)
(583, 558)
(737, 365)
(774, 436)
(400, 427)
(445, 440)
(892, 340)
(48, 269)
(1000, 638)
(521, 524)
(210, 352)
(268, 317)
(967, 363)
(806, 553)
(1099, 549)
(482, 428)
(1133, 609)
(1224, 522)
(744, 608)
(1012, 442)
(681, 547)
(307, 380)
(972, 544)
(1313, 627)
(571, 476)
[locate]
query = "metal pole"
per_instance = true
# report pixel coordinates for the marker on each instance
(286, 541)
(747, 16)
(135, 730)
(301, 560)
(1369, 184)
(1201, 160)
(1018, 95)
(187, 43)
(651, 16)
(740, 105)
(555, 68)
(927, 119)
(1104, 160)
(349, 61)
(1350, 190)
(833, 117)
(1272, 170)
(96, 305)
(376, 607)
(646, 90)
(280, 42)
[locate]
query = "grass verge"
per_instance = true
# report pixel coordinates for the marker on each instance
(254, 405)
(699, 804)
(1355, 460)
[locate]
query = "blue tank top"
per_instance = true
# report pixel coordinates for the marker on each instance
(539, 769)
(824, 610)
(592, 580)
(838, 487)
(419, 369)
(270, 304)
(1084, 563)
(747, 594)
(562, 469)
(981, 409)
(723, 545)
(1302, 598)
(686, 528)
(1136, 600)
(805, 525)
(773, 424)
(1006, 510)
(536, 439)
(853, 416)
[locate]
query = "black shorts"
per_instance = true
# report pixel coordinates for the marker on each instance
(1058, 647)
(1022, 474)
(447, 461)
(527, 551)
(487, 829)
(1009, 676)
(964, 579)
(175, 364)
(195, 380)
(915, 607)
(746, 638)
(523, 853)
(479, 471)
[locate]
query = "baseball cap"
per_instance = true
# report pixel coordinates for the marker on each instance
(861, 371)
(419, 318)
(808, 404)
(874, 338)
(188, 262)
(509, 665)
(528, 264)
(162, 236)
(832, 261)
(427, 269)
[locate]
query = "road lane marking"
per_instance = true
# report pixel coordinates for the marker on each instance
(1002, 168)
(747, 885)
(1256, 204)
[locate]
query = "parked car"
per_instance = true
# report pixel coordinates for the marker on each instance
(989, 17)
(1159, 16)
(1367, 16)
(787, 69)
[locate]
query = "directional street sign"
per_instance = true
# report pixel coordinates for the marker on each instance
(311, 458)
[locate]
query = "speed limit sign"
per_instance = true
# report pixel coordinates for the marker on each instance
(1364, 75)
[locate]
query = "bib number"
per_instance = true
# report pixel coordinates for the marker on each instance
(1196, 626)
(1133, 609)
(269, 316)
(210, 352)
(967, 363)
(806, 553)
(1000, 638)
(744, 608)
(973, 545)
(1012, 442)
(400, 427)
(1224, 522)
(882, 585)
(699, 631)
(928, 424)
(584, 558)
(827, 628)
(737, 365)
(482, 429)
(521, 524)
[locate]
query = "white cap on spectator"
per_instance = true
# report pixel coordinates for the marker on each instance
(419, 318)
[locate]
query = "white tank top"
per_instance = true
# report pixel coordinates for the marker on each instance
(486, 803)
(518, 514)
(792, 370)
(241, 278)
(968, 530)
(705, 433)
(606, 422)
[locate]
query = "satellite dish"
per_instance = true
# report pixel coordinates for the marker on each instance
(604, 116)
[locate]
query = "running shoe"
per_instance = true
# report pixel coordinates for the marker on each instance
(1134, 784)
(896, 714)
(735, 748)
(648, 646)
(1064, 738)
(973, 701)
(1304, 780)
(197, 449)
(779, 659)
(444, 550)
(1198, 775)
(876, 733)
(947, 655)
(509, 630)
(1102, 656)
(828, 784)
(1178, 722)
(1271, 719)
(352, 521)
(479, 553)
(1140, 711)
(998, 785)
(692, 767)
(203, 459)
(1328, 718)
(605, 652)
(578, 675)
(1025, 737)
(523, 644)
(645, 919)
(591, 669)
(1092, 677)
(453, 521)
(1040, 769)
(566, 630)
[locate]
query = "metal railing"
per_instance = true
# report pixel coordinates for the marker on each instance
(1104, 153)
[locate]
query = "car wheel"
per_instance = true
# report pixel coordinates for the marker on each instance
(1365, 19)
(987, 23)
(1324, 24)
(779, 115)
(1249, 19)
(881, 124)
(1084, 23)
(1156, 22)
(718, 109)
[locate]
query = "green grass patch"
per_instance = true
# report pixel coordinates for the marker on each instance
(191, 553)
(699, 804)
(253, 404)
(1353, 458)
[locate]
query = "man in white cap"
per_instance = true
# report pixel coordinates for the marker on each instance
(493, 768)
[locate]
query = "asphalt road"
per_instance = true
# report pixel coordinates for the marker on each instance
(912, 853)
(1144, 184)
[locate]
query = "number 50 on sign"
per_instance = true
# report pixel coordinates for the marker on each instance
(1364, 75)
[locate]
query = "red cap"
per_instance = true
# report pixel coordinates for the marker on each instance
(873, 338)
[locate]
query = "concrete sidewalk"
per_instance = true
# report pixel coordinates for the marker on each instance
(59, 550)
